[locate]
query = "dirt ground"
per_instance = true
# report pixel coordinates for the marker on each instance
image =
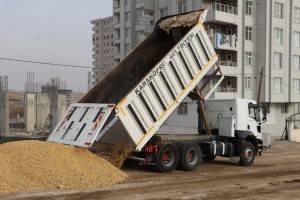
(275, 175)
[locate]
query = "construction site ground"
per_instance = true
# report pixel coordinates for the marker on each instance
(275, 175)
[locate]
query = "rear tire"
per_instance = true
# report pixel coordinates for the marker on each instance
(166, 158)
(247, 154)
(189, 156)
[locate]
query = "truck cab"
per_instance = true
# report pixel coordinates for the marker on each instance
(234, 117)
(237, 122)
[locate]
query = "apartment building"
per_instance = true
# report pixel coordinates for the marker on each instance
(248, 36)
(103, 49)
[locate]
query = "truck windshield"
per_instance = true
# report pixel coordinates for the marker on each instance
(254, 113)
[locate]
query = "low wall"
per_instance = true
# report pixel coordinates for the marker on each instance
(294, 134)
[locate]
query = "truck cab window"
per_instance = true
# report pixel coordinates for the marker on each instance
(254, 113)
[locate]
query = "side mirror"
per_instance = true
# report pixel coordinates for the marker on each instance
(264, 114)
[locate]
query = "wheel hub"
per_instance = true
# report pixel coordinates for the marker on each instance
(248, 154)
(191, 156)
(168, 158)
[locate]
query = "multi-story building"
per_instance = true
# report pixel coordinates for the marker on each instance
(103, 49)
(248, 36)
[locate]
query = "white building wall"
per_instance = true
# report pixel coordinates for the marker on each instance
(275, 124)
(262, 48)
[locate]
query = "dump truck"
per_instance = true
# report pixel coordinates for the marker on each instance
(122, 114)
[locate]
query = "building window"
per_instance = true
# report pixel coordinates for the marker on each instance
(278, 10)
(229, 57)
(183, 109)
(248, 33)
(127, 32)
(127, 2)
(127, 48)
(247, 82)
(296, 84)
(181, 6)
(284, 108)
(228, 82)
(297, 15)
(296, 62)
(297, 39)
(127, 16)
(277, 60)
(277, 85)
(249, 7)
(248, 59)
(229, 30)
(278, 35)
(163, 12)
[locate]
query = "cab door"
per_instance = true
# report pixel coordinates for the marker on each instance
(254, 122)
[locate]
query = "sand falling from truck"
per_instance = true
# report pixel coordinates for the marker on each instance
(37, 165)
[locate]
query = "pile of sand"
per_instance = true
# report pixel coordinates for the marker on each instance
(35, 165)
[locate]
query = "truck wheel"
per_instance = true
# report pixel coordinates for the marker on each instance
(209, 158)
(166, 158)
(189, 156)
(247, 154)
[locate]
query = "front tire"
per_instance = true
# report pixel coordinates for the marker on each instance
(247, 154)
(166, 158)
(189, 156)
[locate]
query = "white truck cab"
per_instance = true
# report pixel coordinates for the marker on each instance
(234, 117)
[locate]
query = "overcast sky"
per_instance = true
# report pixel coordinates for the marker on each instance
(55, 31)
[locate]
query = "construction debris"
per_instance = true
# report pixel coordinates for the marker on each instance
(37, 165)
(189, 19)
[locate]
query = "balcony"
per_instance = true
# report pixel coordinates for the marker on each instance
(221, 13)
(144, 25)
(117, 24)
(117, 8)
(117, 55)
(227, 63)
(227, 90)
(117, 41)
(146, 5)
(222, 41)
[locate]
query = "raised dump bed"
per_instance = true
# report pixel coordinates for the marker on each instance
(150, 83)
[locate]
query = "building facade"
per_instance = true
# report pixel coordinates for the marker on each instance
(249, 37)
(103, 49)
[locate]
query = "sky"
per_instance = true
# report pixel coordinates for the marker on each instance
(53, 31)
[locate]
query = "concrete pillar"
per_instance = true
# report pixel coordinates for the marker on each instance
(4, 115)
(42, 110)
(57, 108)
(30, 112)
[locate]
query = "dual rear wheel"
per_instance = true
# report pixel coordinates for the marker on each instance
(186, 156)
